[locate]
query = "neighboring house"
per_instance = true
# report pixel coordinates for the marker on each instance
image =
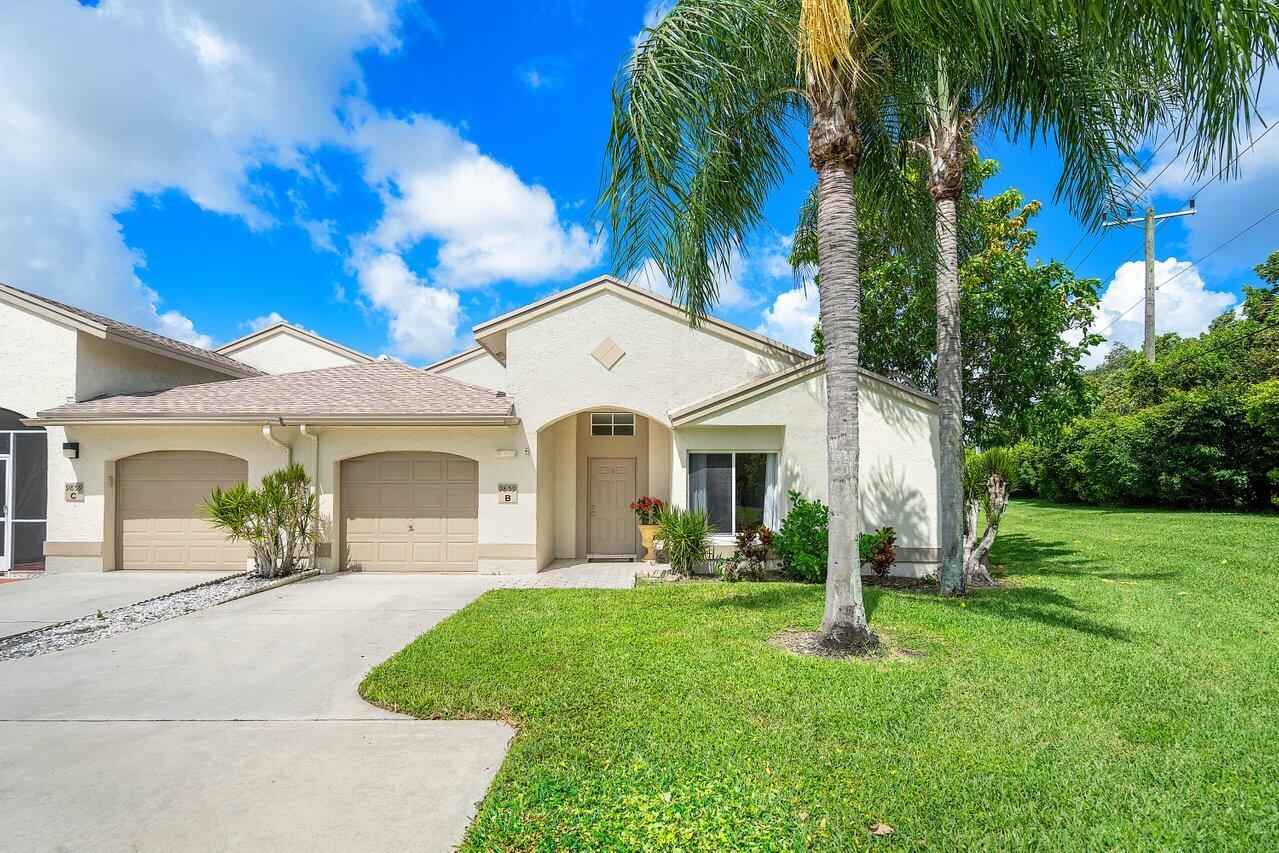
(503, 458)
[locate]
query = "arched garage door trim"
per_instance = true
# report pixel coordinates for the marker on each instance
(159, 501)
(410, 511)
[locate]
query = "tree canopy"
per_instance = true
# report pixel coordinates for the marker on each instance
(1021, 377)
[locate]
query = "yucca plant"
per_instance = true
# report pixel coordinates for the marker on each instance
(277, 520)
(687, 535)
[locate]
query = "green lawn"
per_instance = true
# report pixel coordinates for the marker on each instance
(1121, 691)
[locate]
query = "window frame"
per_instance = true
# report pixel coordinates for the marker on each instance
(612, 425)
(721, 537)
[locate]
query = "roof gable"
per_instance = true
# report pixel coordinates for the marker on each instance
(283, 329)
(491, 334)
(124, 333)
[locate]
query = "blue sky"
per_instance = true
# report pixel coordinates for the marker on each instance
(389, 174)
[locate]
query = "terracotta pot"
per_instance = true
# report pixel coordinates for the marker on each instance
(646, 539)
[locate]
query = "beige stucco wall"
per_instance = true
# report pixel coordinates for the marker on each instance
(283, 352)
(107, 367)
(551, 372)
(478, 369)
(899, 447)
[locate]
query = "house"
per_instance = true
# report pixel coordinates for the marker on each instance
(525, 449)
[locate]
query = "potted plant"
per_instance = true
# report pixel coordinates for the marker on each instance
(646, 510)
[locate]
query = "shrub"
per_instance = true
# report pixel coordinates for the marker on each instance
(877, 549)
(687, 534)
(277, 520)
(754, 546)
(802, 540)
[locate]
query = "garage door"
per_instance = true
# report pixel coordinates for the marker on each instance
(410, 512)
(159, 500)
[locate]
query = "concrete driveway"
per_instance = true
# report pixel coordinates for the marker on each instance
(37, 602)
(240, 726)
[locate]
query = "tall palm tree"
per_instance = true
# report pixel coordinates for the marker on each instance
(702, 116)
(1098, 90)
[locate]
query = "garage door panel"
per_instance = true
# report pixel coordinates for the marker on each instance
(418, 512)
(160, 511)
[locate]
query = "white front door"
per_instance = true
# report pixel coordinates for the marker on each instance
(613, 528)
(6, 551)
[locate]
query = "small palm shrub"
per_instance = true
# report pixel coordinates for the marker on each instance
(276, 520)
(687, 534)
(802, 541)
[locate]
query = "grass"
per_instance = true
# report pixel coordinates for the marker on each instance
(1121, 691)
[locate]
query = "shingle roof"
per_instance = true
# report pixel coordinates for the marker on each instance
(132, 334)
(380, 391)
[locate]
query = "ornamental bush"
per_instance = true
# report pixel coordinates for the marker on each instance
(802, 540)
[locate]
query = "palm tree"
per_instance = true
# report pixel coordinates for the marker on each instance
(701, 120)
(1098, 95)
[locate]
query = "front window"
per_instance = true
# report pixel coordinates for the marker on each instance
(737, 490)
(612, 423)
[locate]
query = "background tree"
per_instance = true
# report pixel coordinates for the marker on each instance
(1021, 376)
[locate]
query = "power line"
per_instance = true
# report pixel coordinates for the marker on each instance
(1262, 327)
(1218, 248)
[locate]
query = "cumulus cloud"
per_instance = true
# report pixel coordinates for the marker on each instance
(491, 226)
(424, 319)
(104, 104)
(1227, 207)
(1183, 304)
(792, 316)
(750, 276)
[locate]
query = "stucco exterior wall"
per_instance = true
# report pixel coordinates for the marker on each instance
(898, 467)
(39, 361)
(551, 372)
(479, 369)
(107, 367)
(285, 353)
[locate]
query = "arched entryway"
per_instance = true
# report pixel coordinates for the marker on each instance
(24, 465)
(159, 500)
(410, 511)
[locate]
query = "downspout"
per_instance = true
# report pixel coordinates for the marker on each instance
(310, 433)
(288, 448)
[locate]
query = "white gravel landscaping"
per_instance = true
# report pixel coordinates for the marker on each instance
(100, 625)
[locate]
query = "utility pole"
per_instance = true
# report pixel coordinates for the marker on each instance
(1149, 222)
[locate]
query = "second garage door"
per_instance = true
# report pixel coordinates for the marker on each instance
(159, 511)
(411, 512)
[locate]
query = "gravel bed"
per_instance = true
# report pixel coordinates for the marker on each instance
(100, 625)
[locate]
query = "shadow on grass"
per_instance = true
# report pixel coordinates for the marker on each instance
(1026, 555)
(1044, 606)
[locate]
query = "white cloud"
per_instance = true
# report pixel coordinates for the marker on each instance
(134, 97)
(491, 226)
(1227, 207)
(792, 316)
(424, 319)
(1183, 304)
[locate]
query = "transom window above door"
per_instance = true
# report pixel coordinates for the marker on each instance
(612, 423)
(736, 490)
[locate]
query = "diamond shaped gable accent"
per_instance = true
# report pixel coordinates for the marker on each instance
(608, 353)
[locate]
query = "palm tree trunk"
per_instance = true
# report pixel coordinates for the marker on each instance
(950, 398)
(833, 152)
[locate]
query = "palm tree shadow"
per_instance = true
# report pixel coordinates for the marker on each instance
(1026, 555)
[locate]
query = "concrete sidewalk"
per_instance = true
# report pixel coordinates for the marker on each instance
(47, 600)
(241, 726)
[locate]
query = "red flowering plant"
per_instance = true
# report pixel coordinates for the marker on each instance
(646, 509)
